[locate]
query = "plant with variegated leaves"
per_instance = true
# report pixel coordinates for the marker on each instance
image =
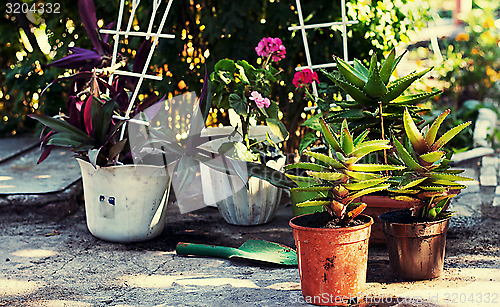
(341, 179)
(378, 101)
(427, 176)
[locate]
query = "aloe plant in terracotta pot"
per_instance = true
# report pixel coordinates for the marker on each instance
(416, 238)
(378, 102)
(332, 246)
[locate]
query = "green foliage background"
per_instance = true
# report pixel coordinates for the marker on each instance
(217, 28)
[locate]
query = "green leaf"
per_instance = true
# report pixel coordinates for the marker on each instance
(116, 149)
(239, 104)
(58, 125)
(374, 189)
(396, 88)
(330, 138)
(346, 139)
(361, 68)
(325, 159)
(65, 139)
(311, 203)
(374, 167)
(306, 166)
(93, 155)
(356, 93)
(365, 184)
(411, 100)
(272, 176)
(374, 87)
(277, 128)
(313, 122)
(360, 138)
(330, 176)
(321, 188)
(432, 156)
(416, 138)
(102, 121)
(369, 147)
(225, 65)
(451, 177)
(406, 157)
(450, 134)
(362, 175)
(406, 184)
(350, 74)
(430, 137)
(308, 139)
(386, 69)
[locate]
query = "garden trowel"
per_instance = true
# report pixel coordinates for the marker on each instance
(252, 249)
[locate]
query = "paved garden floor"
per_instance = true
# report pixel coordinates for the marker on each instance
(49, 258)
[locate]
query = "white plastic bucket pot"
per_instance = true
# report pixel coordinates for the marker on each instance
(254, 206)
(125, 203)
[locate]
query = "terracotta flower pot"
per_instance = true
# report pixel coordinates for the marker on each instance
(378, 204)
(416, 250)
(332, 261)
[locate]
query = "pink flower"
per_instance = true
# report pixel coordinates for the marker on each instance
(260, 101)
(304, 77)
(273, 47)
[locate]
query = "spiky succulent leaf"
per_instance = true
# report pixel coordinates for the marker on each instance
(414, 135)
(353, 91)
(374, 87)
(351, 215)
(367, 191)
(374, 167)
(430, 137)
(406, 156)
(325, 159)
(306, 166)
(317, 188)
(329, 136)
(386, 69)
(450, 134)
(330, 176)
(346, 139)
(350, 73)
(369, 147)
(411, 183)
(365, 184)
(451, 177)
(415, 98)
(362, 175)
(311, 203)
(361, 68)
(432, 156)
(396, 88)
(360, 138)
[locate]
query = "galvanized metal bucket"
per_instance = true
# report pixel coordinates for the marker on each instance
(416, 251)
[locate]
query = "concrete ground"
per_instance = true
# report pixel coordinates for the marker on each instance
(49, 258)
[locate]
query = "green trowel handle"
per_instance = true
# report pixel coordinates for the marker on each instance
(205, 250)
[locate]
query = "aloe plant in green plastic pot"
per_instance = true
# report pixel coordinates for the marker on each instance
(332, 246)
(416, 238)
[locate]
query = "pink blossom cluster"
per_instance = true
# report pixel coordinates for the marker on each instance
(269, 46)
(260, 101)
(304, 77)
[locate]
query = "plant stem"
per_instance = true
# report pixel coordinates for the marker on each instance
(383, 132)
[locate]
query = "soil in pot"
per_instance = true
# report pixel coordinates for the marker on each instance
(416, 246)
(332, 259)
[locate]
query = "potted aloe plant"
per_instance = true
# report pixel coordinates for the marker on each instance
(416, 238)
(332, 246)
(125, 175)
(244, 91)
(378, 102)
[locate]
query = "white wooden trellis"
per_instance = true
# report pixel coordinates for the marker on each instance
(156, 35)
(302, 27)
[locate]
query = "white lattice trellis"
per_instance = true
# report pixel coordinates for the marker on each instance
(302, 27)
(156, 35)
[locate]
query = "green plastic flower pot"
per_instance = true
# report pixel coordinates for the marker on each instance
(299, 196)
